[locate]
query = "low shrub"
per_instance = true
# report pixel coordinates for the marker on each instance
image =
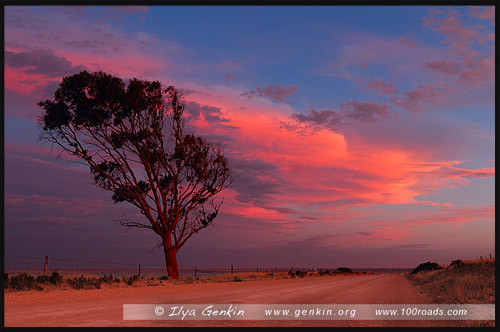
(427, 266)
(457, 263)
(109, 279)
(130, 281)
(56, 278)
(188, 279)
(344, 270)
(84, 283)
(43, 279)
(300, 274)
(23, 281)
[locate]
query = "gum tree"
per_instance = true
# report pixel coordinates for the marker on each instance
(132, 137)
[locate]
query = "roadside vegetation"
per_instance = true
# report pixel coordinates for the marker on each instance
(26, 282)
(460, 282)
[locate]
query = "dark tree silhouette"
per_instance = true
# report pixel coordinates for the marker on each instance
(132, 137)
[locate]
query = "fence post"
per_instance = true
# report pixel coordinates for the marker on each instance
(257, 269)
(275, 269)
(195, 271)
(139, 269)
(231, 269)
(490, 255)
(46, 264)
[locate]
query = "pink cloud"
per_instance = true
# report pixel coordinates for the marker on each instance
(450, 24)
(361, 50)
(41, 62)
(31, 76)
(479, 71)
(472, 67)
(414, 224)
(437, 175)
(487, 13)
(349, 112)
(37, 51)
(474, 72)
(462, 63)
(425, 96)
(444, 67)
(445, 215)
(382, 87)
(21, 82)
(384, 233)
(408, 40)
(430, 20)
(413, 100)
(128, 9)
(309, 165)
(31, 149)
(67, 206)
(463, 215)
(279, 93)
(467, 173)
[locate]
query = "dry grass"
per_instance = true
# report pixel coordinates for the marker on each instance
(471, 282)
(92, 282)
(252, 276)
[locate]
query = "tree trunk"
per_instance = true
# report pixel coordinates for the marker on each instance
(170, 259)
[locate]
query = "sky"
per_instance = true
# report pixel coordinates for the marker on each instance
(358, 136)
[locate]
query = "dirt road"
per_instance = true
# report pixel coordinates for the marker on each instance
(104, 307)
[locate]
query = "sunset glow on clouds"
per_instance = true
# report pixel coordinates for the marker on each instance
(345, 138)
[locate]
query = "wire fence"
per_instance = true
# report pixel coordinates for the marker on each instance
(14, 265)
(72, 267)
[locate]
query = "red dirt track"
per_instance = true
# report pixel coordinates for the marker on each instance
(104, 307)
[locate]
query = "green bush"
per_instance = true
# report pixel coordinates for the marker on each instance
(164, 278)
